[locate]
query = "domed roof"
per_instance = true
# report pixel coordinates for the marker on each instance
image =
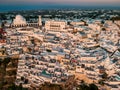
(19, 17)
(19, 20)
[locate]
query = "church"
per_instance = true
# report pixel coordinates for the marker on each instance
(20, 21)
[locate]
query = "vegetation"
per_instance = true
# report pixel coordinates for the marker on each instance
(14, 87)
(8, 71)
(115, 18)
(101, 82)
(48, 50)
(84, 86)
(48, 86)
(104, 76)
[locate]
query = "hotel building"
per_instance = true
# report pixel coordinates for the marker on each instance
(55, 26)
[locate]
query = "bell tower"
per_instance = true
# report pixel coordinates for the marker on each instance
(39, 20)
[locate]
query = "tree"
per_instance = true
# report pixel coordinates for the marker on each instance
(83, 87)
(101, 82)
(12, 87)
(20, 86)
(93, 86)
(22, 78)
(7, 60)
(104, 76)
(26, 81)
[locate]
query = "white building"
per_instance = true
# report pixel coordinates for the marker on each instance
(55, 26)
(85, 58)
(77, 23)
(20, 21)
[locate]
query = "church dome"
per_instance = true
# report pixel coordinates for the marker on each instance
(19, 17)
(19, 20)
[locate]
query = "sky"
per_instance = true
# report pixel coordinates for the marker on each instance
(65, 2)
(8, 5)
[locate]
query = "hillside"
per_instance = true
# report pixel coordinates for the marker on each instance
(8, 69)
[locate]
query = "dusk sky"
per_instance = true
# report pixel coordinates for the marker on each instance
(67, 2)
(9, 5)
